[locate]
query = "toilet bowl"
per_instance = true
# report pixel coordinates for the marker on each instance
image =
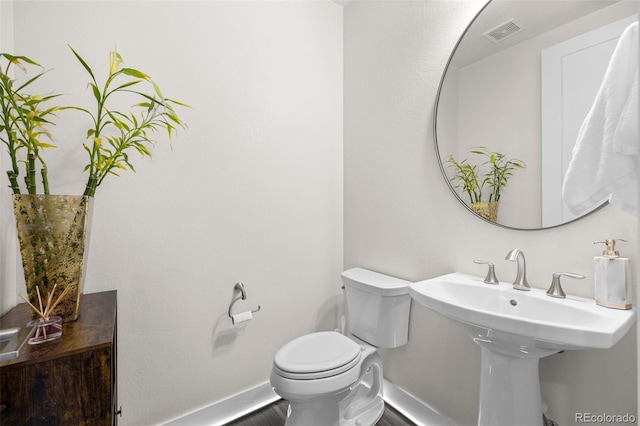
(331, 379)
(325, 387)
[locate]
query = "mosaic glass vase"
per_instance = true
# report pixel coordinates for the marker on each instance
(53, 235)
(486, 209)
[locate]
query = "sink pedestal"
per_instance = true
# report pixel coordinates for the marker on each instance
(515, 329)
(509, 382)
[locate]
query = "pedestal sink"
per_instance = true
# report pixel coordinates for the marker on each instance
(515, 329)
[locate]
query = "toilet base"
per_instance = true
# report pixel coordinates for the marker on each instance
(300, 413)
(309, 412)
(363, 414)
(359, 405)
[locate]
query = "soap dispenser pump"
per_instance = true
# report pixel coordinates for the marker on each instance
(612, 277)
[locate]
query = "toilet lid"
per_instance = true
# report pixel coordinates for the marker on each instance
(317, 355)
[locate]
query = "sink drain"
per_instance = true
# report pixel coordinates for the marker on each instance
(513, 302)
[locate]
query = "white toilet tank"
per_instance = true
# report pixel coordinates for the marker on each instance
(377, 307)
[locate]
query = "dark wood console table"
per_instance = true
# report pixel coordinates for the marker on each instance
(68, 381)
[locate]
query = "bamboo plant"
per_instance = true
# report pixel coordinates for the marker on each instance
(467, 177)
(112, 135)
(24, 123)
(501, 169)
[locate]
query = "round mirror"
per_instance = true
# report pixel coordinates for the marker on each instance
(512, 99)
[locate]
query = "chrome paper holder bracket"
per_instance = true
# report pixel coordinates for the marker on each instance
(243, 296)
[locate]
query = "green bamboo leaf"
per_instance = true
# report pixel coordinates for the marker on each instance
(28, 82)
(169, 131)
(125, 125)
(125, 85)
(84, 64)
(96, 92)
(119, 114)
(45, 145)
(115, 60)
(175, 119)
(142, 150)
(71, 107)
(18, 59)
(134, 73)
(157, 89)
(153, 100)
(173, 101)
(49, 111)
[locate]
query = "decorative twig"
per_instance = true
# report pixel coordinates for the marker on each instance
(32, 307)
(51, 293)
(39, 298)
(58, 300)
(45, 312)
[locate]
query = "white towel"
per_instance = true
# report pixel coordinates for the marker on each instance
(605, 157)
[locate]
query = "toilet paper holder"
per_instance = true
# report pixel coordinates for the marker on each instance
(243, 296)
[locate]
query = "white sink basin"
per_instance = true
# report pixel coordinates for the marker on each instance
(571, 323)
(515, 329)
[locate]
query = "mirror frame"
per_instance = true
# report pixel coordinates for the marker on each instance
(439, 157)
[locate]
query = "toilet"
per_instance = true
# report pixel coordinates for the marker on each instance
(331, 379)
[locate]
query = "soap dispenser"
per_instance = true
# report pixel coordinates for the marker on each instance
(612, 277)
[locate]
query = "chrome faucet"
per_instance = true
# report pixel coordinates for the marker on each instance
(520, 283)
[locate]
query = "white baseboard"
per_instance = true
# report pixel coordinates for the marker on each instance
(227, 410)
(410, 407)
(236, 406)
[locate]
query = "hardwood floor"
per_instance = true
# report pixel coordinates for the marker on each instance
(276, 413)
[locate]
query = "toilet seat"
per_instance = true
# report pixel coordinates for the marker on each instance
(316, 356)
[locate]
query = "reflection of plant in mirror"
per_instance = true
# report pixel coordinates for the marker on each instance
(467, 176)
(501, 169)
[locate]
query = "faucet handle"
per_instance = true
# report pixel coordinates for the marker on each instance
(556, 288)
(491, 273)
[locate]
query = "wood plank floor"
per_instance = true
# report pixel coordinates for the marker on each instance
(276, 413)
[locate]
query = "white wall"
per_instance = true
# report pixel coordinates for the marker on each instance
(401, 219)
(251, 191)
(8, 245)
